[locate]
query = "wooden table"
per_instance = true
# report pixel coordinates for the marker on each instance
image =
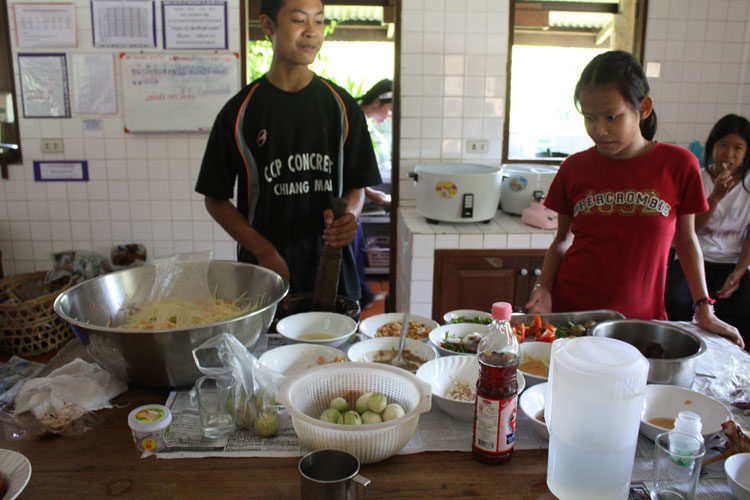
(104, 463)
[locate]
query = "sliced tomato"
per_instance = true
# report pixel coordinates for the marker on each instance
(536, 326)
(547, 336)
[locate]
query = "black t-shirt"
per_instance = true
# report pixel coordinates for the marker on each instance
(287, 158)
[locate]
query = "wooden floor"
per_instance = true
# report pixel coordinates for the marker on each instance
(379, 286)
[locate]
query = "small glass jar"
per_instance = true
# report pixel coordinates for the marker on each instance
(150, 427)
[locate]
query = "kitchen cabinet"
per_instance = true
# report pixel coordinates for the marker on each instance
(474, 279)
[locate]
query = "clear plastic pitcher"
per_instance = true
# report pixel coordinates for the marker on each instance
(593, 412)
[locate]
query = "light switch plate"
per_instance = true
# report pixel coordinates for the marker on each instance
(477, 146)
(54, 146)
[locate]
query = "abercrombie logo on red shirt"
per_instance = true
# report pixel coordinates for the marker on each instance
(622, 203)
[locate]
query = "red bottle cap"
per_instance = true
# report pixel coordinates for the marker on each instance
(501, 310)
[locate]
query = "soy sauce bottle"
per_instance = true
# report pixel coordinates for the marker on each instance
(497, 391)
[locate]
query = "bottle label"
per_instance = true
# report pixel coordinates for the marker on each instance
(495, 424)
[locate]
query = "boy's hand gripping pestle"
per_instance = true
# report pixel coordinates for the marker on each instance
(327, 277)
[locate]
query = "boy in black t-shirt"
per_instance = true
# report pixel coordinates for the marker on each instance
(293, 141)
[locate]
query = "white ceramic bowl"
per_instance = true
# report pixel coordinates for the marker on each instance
(737, 468)
(458, 330)
(440, 374)
(364, 351)
(537, 350)
(369, 326)
(468, 314)
(666, 401)
(320, 328)
(531, 403)
(294, 358)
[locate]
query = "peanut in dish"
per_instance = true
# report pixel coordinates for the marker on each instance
(417, 330)
(461, 391)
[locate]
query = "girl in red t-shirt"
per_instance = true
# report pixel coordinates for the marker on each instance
(620, 204)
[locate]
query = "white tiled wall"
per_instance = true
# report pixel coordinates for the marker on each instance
(453, 86)
(704, 50)
(140, 188)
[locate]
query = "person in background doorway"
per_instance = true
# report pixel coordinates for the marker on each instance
(620, 203)
(377, 104)
(292, 142)
(723, 231)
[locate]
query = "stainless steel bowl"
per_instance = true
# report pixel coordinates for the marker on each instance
(681, 348)
(163, 358)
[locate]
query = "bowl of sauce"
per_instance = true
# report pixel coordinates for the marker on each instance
(320, 328)
(384, 349)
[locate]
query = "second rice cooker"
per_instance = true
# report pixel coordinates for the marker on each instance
(520, 181)
(457, 192)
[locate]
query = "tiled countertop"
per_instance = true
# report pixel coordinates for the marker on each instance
(418, 240)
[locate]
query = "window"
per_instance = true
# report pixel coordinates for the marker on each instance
(551, 42)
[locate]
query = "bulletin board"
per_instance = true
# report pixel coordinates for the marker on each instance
(176, 93)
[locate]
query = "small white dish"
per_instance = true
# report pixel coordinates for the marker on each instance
(365, 350)
(531, 403)
(737, 469)
(319, 328)
(666, 401)
(536, 350)
(440, 374)
(454, 330)
(369, 326)
(295, 358)
(467, 315)
(16, 469)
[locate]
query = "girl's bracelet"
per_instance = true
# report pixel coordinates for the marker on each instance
(700, 302)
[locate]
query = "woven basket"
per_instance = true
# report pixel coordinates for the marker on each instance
(31, 327)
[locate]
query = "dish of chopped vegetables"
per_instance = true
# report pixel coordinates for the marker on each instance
(478, 319)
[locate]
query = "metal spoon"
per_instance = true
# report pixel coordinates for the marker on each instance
(398, 359)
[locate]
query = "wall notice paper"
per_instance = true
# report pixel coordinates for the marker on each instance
(195, 24)
(61, 170)
(119, 23)
(45, 24)
(94, 83)
(168, 92)
(44, 85)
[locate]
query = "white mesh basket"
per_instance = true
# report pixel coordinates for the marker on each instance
(308, 394)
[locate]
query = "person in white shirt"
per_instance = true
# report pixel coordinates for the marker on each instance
(723, 231)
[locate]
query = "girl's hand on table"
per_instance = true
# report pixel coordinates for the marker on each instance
(705, 318)
(540, 301)
(731, 284)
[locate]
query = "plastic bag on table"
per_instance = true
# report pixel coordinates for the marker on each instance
(256, 386)
(731, 382)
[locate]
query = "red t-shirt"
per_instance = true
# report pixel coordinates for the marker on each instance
(624, 217)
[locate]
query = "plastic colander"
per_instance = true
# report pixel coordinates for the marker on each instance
(309, 393)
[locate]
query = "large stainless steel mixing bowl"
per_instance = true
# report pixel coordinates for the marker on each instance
(163, 358)
(681, 348)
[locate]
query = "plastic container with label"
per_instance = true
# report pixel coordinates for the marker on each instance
(150, 427)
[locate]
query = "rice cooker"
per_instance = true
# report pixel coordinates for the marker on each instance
(457, 192)
(520, 181)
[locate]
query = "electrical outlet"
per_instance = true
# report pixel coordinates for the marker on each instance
(477, 146)
(53, 146)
